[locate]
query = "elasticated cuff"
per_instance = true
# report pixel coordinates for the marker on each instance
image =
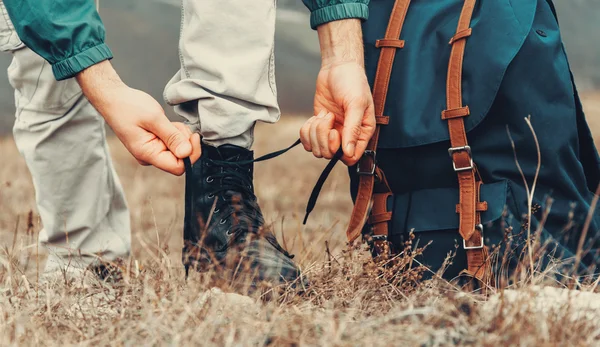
(72, 66)
(338, 12)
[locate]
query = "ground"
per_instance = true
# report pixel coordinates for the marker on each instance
(350, 303)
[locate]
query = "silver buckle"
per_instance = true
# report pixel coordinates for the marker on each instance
(371, 170)
(375, 238)
(467, 149)
(480, 228)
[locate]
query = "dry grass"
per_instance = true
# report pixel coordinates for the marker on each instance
(349, 303)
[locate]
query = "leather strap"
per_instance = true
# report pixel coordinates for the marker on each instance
(389, 43)
(383, 120)
(366, 165)
(379, 221)
(456, 113)
(469, 207)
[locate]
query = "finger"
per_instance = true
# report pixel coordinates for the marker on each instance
(196, 148)
(352, 129)
(168, 162)
(183, 128)
(314, 138)
(176, 140)
(305, 134)
(194, 141)
(323, 128)
(156, 153)
(143, 163)
(367, 130)
(335, 140)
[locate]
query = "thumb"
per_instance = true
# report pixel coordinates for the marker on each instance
(177, 141)
(352, 129)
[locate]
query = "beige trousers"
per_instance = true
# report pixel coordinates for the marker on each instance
(62, 138)
(226, 82)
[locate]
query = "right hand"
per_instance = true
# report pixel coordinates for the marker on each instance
(343, 106)
(140, 123)
(344, 112)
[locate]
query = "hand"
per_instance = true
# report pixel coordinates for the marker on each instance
(139, 121)
(345, 115)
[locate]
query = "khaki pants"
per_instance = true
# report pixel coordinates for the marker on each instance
(62, 138)
(227, 78)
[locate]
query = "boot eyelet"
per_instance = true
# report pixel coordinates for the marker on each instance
(229, 232)
(210, 196)
(209, 179)
(223, 221)
(216, 211)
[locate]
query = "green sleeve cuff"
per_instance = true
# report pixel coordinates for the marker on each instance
(338, 12)
(72, 66)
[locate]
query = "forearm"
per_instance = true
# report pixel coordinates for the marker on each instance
(69, 34)
(95, 81)
(341, 42)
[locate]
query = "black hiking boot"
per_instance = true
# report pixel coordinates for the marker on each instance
(224, 226)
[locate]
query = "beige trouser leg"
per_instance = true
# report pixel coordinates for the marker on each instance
(227, 80)
(63, 141)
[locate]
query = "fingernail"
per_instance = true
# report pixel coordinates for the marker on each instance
(183, 150)
(350, 149)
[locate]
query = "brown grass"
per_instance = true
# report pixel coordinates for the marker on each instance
(349, 303)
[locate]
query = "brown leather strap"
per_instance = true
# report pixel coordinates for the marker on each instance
(481, 207)
(389, 43)
(461, 35)
(469, 205)
(383, 120)
(456, 113)
(382, 77)
(379, 218)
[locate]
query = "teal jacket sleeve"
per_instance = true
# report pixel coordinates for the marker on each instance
(69, 34)
(325, 11)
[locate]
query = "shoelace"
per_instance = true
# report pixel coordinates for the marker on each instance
(236, 181)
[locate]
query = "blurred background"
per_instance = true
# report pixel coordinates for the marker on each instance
(144, 38)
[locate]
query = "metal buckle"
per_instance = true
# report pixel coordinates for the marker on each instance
(480, 228)
(375, 238)
(467, 149)
(371, 239)
(371, 171)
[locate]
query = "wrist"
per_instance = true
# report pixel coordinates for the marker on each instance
(341, 42)
(97, 82)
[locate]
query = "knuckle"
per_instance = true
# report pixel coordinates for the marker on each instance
(323, 130)
(355, 130)
(306, 145)
(173, 139)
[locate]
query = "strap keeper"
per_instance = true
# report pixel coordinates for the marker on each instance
(390, 43)
(463, 34)
(383, 120)
(456, 113)
(480, 207)
(380, 218)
